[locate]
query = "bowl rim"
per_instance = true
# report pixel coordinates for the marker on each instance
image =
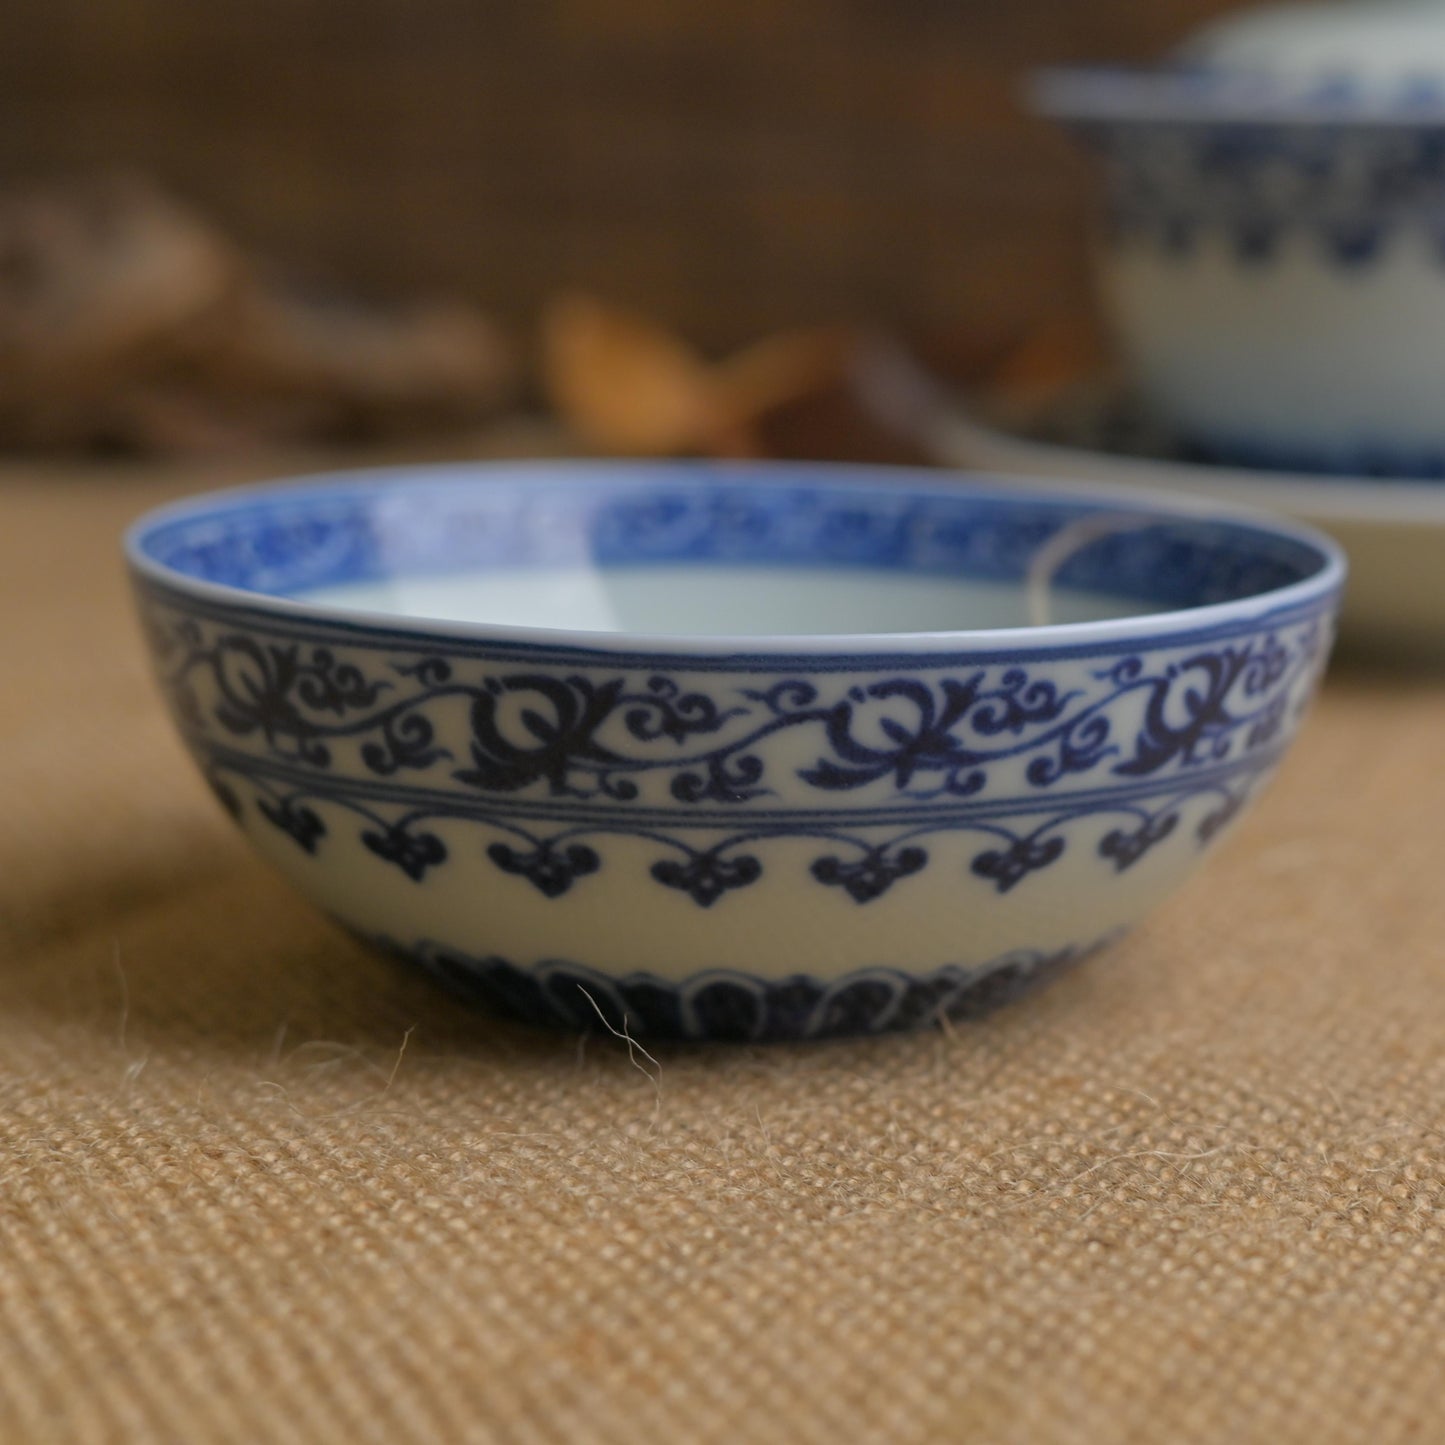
(1181, 623)
(1155, 95)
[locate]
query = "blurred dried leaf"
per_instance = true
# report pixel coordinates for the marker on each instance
(782, 369)
(1058, 352)
(628, 386)
(625, 385)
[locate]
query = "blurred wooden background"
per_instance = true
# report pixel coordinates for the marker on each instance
(729, 165)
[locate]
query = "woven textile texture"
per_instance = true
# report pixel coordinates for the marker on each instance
(258, 1185)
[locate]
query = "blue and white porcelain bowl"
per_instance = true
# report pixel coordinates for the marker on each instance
(1273, 258)
(754, 752)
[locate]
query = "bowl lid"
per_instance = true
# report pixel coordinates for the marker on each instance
(1384, 46)
(1362, 62)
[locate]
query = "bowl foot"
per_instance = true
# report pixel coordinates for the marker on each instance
(724, 1005)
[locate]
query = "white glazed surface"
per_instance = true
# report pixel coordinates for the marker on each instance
(1298, 350)
(743, 601)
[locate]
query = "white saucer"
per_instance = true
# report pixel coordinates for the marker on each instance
(1394, 531)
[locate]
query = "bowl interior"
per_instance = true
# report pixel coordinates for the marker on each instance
(693, 551)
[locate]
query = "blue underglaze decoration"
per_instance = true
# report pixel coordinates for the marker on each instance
(361, 532)
(291, 727)
(529, 759)
(727, 1005)
(553, 858)
(1349, 191)
(575, 737)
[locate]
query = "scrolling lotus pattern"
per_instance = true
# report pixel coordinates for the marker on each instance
(557, 760)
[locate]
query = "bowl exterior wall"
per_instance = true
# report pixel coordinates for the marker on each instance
(742, 846)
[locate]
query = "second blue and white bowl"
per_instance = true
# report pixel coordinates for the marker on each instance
(762, 752)
(1273, 259)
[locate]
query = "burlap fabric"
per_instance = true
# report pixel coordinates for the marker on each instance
(257, 1185)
